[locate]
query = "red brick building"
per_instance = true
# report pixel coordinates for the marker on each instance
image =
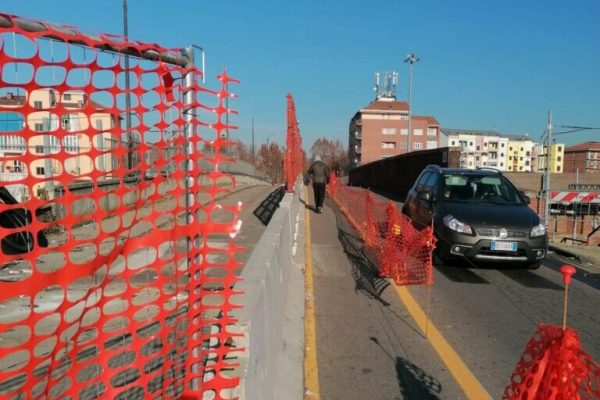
(380, 130)
(583, 157)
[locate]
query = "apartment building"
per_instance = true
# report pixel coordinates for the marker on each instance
(479, 148)
(60, 136)
(582, 158)
(557, 158)
(380, 130)
(520, 154)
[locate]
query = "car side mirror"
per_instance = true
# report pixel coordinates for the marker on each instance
(527, 198)
(424, 195)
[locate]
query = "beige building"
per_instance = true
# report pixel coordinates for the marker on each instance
(61, 142)
(479, 148)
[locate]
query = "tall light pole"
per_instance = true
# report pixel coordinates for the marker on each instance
(410, 59)
(127, 94)
(547, 171)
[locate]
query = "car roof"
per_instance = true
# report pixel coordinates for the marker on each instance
(466, 171)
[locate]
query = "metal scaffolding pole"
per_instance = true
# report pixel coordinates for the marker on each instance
(547, 171)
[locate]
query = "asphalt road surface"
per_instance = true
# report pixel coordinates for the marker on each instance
(369, 346)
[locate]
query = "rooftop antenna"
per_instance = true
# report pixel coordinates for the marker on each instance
(385, 85)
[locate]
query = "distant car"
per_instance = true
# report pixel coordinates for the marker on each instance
(477, 215)
(21, 241)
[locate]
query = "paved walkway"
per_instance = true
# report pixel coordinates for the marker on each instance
(367, 344)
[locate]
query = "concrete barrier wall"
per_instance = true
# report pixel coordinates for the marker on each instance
(272, 317)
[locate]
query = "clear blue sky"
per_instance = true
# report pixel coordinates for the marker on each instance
(484, 64)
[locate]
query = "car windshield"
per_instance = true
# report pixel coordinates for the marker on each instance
(479, 189)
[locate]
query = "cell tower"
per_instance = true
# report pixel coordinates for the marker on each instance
(385, 85)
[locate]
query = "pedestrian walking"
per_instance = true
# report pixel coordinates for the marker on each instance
(319, 174)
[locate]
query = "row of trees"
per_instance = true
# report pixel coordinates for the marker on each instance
(269, 160)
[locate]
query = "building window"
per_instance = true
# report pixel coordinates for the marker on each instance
(520, 158)
(39, 149)
(65, 123)
(39, 127)
(502, 164)
(388, 145)
(40, 171)
(527, 153)
(418, 132)
(417, 146)
(501, 144)
(431, 132)
(509, 158)
(99, 126)
(67, 97)
(452, 143)
(510, 148)
(38, 104)
(477, 158)
(404, 131)
(470, 143)
(403, 145)
(478, 148)
(558, 168)
(527, 163)
(559, 148)
(559, 158)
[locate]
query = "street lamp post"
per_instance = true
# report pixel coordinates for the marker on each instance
(410, 59)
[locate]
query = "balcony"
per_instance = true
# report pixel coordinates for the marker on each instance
(12, 176)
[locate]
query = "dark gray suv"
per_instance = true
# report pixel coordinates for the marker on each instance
(478, 215)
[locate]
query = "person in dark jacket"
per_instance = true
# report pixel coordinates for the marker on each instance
(319, 174)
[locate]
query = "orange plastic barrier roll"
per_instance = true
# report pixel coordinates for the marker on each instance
(117, 262)
(554, 367)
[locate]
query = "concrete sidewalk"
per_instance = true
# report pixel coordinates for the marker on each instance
(589, 256)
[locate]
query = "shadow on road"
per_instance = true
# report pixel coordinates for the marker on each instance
(414, 382)
(364, 271)
(530, 280)
(264, 212)
(460, 274)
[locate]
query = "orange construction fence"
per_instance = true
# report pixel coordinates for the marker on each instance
(293, 160)
(117, 260)
(554, 367)
(403, 253)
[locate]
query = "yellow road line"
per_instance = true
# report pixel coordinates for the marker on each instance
(311, 370)
(459, 370)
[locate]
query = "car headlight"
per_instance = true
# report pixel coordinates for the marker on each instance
(456, 225)
(538, 230)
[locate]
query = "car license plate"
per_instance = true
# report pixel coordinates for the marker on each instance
(504, 246)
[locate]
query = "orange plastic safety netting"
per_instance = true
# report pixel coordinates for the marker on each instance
(402, 252)
(117, 260)
(294, 160)
(554, 367)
